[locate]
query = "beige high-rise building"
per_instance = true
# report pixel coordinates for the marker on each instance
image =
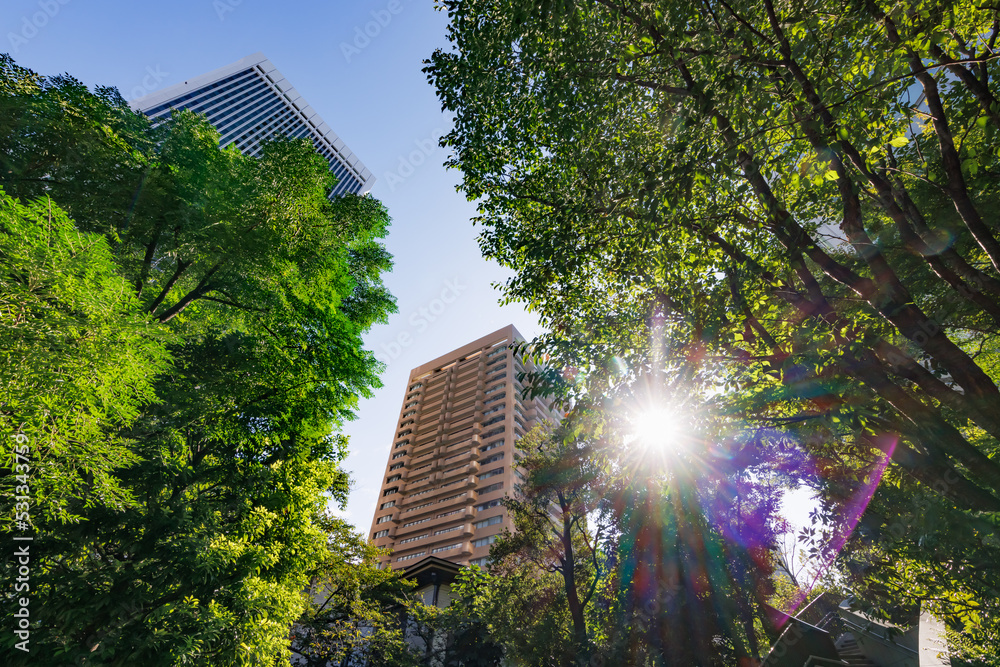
(454, 455)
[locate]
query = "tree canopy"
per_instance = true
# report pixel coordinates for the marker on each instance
(186, 323)
(355, 613)
(792, 204)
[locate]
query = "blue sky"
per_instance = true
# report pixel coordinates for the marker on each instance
(374, 96)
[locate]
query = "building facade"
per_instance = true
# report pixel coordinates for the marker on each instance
(249, 102)
(454, 454)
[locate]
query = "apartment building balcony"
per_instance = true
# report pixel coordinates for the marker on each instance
(432, 493)
(415, 485)
(447, 551)
(498, 399)
(413, 463)
(409, 549)
(434, 522)
(456, 420)
(458, 470)
(457, 457)
(493, 420)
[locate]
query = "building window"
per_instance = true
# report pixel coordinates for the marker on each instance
(413, 539)
(493, 420)
(396, 466)
(492, 445)
(402, 444)
(484, 542)
(447, 530)
(399, 455)
(391, 503)
(488, 474)
(383, 519)
(410, 557)
(492, 459)
(447, 548)
(487, 505)
(496, 431)
(418, 507)
(389, 492)
(480, 562)
(381, 533)
(394, 478)
(491, 487)
(418, 521)
(496, 398)
(492, 521)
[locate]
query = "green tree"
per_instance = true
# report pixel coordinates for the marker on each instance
(257, 289)
(802, 197)
(355, 614)
(81, 356)
(696, 156)
(467, 632)
(618, 558)
(552, 542)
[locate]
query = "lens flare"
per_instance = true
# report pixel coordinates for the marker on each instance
(658, 428)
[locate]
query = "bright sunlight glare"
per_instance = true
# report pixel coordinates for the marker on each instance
(658, 428)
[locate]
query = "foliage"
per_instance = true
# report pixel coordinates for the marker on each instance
(355, 611)
(797, 199)
(617, 559)
(80, 355)
(920, 553)
(465, 633)
(236, 295)
(552, 566)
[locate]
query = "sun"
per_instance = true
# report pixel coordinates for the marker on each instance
(658, 428)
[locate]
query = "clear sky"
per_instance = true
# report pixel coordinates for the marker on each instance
(370, 90)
